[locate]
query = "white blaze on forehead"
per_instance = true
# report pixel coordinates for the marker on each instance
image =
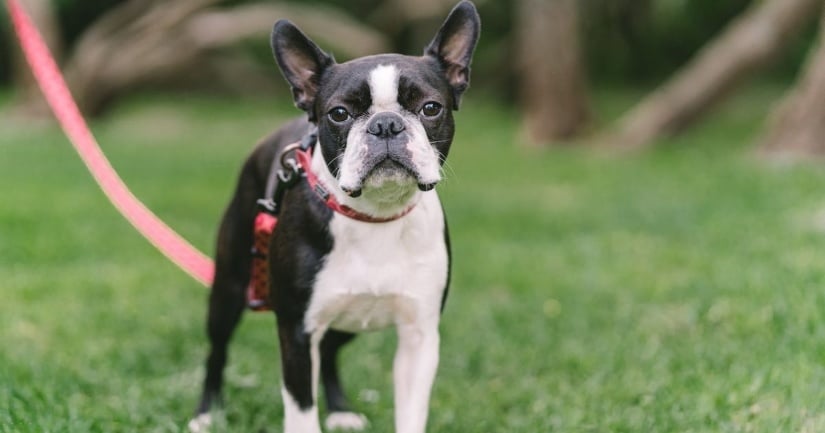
(384, 88)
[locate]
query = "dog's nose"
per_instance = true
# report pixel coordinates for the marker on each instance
(386, 125)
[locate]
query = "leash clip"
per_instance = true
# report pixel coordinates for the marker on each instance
(267, 205)
(289, 172)
(287, 176)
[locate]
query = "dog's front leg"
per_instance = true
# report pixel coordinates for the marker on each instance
(300, 363)
(416, 361)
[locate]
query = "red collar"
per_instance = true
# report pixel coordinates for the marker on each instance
(324, 193)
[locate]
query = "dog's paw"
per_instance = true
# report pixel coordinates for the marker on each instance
(200, 423)
(346, 421)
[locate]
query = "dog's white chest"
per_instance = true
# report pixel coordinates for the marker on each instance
(381, 274)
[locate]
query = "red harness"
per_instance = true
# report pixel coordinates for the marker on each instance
(267, 219)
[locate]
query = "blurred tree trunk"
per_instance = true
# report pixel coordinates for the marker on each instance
(28, 99)
(412, 23)
(552, 85)
(747, 44)
(159, 41)
(798, 127)
(136, 41)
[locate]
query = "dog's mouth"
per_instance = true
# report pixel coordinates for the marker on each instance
(389, 173)
(389, 169)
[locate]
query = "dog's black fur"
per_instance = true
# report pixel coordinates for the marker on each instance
(302, 238)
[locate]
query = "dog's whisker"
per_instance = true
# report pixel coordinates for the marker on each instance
(446, 169)
(447, 172)
(337, 158)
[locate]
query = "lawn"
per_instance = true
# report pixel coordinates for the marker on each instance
(678, 290)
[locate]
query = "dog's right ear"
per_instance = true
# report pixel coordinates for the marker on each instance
(454, 44)
(301, 62)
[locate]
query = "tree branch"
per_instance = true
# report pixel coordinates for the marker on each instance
(748, 43)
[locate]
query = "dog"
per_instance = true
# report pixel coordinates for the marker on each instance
(384, 126)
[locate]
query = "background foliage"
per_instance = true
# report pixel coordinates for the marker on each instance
(625, 41)
(679, 289)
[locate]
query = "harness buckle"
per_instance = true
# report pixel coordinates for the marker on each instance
(321, 191)
(288, 174)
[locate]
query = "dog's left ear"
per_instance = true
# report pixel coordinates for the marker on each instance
(454, 44)
(301, 62)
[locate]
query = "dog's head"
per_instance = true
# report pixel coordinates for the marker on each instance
(385, 122)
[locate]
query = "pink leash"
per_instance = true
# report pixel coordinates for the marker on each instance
(57, 94)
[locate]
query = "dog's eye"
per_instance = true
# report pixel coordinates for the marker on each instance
(338, 114)
(431, 109)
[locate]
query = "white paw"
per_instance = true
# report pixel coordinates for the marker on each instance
(346, 421)
(200, 423)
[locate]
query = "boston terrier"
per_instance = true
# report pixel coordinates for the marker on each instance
(384, 126)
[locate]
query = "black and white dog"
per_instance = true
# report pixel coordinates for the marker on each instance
(384, 128)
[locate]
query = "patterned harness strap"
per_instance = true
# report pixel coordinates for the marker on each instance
(284, 173)
(257, 294)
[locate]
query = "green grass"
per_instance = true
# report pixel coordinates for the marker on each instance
(679, 290)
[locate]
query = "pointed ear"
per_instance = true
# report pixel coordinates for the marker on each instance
(301, 62)
(454, 44)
